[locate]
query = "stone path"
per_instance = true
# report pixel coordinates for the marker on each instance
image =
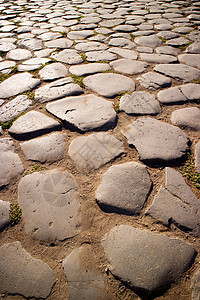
(99, 149)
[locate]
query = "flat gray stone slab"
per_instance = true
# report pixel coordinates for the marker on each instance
(192, 60)
(128, 66)
(122, 42)
(93, 151)
(50, 205)
(195, 285)
(178, 71)
(30, 44)
(100, 55)
(32, 124)
(188, 117)
(7, 46)
(144, 49)
(48, 148)
(197, 157)
(154, 81)
(6, 66)
(178, 41)
(53, 71)
(10, 164)
(111, 23)
(84, 278)
(48, 36)
(156, 141)
(149, 41)
(57, 89)
(68, 56)
(140, 103)
(80, 34)
(61, 43)
(19, 268)
(85, 113)
(124, 188)
(157, 58)
(168, 50)
(126, 53)
(191, 91)
(168, 35)
(91, 46)
(143, 259)
(14, 107)
(19, 54)
(171, 95)
(33, 64)
(108, 84)
(17, 84)
(193, 48)
(4, 214)
(88, 69)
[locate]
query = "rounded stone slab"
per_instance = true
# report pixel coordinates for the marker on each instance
(88, 69)
(192, 60)
(197, 157)
(84, 278)
(178, 42)
(30, 44)
(19, 269)
(85, 113)
(124, 188)
(91, 46)
(32, 124)
(149, 41)
(193, 48)
(128, 66)
(80, 34)
(140, 103)
(144, 259)
(178, 71)
(14, 107)
(50, 205)
(49, 148)
(4, 214)
(19, 54)
(191, 91)
(7, 46)
(53, 71)
(68, 56)
(154, 81)
(93, 151)
(126, 53)
(6, 66)
(17, 84)
(188, 117)
(109, 85)
(111, 23)
(122, 42)
(61, 43)
(156, 141)
(158, 58)
(100, 55)
(171, 95)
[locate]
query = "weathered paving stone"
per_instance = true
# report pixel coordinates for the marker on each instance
(17, 84)
(49, 148)
(32, 124)
(91, 46)
(128, 66)
(178, 41)
(80, 34)
(154, 81)
(144, 49)
(53, 71)
(171, 95)
(176, 204)
(150, 257)
(57, 89)
(19, 268)
(95, 150)
(168, 50)
(61, 43)
(88, 69)
(30, 44)
(44, 52)
(156, 141)
(149, 41)
(111, 23)
(195, 285)
(157, 58)
(188, 117)
(93, 56)
(6, 66)
(14, 107)
(167, 35)
(10, 164)
(4, 214)
(33, 64)
(7, 46)
(84, 278)
(68, 56)
(122, 42)
(192, 60)
(124, 188)
(140, 103)
(197, 157)
(193, 48)
(48, 36)
(19, 54)
(87, 112)
(109, 85)
(126, 53)
(178, 71)
(50, 205)
(191, 91)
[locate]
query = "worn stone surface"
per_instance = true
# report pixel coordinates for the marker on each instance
(195, 285)
(188, 117)
(149, 41)
(68, 56)
(19, 268)
(171, 95)
(19, 54)
(154, 81)
(93, 56)
(197, 157)
(178, 71)
(192, 60)
(4, 214)
(126, 53)
(53, 71)
(158, 58)
(88, 69)
(191, 91)
(128, 66)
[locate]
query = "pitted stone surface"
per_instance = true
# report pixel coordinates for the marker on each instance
(87, 112)
(140, 103)
(61, 43)
(126, 53)
(154, 81)
(33, 64)
(19, 268)
(192, 60)
(178, 71)
(146, 252)
(94, 150)
(53, 71)
(100, 55)
(124, 188)
(88, 69)
(149, 41)
(158, 58)
(30, 44)
(49, 148)
(191, 91)
(90, 46)
(171, 95)
(188, 117)
(19, 54)
(69, 56)
(4, 214)
(128, 66)
(109, 85)
(50, 205)
(156, 141)
(80, 34)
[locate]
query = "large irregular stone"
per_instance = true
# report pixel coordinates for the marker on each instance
(195, 285)
(191, 91)
(93, 151)
(158, 58)
(109, 85)
(192, 60)
(33, 64)
(126, 53)
(197, 157)
(84, 278)
(149, 41)
(178, 42)
(140, 103)
(57, 89)
(7, 66)
(193, 48)
(171, 95)
(17, 84)
(124, 188)
(156, 141)
(53, 71)
(50, 205)
(88, 69)
(33, 124)
(10, 164)
(61, 43)
(68, 56)
(128, 66)
(144, 259)
(14, 107)
(19, 54)
(80, 34)
(87, 112)
(178, 71)
(30, 44)
(4, 214)
(100, 56)
(122, 42)
(49, 148)
(188, 117)
(90, 46)
(19, 269)
(154, 81)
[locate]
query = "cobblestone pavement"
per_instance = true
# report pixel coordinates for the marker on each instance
(99, 149)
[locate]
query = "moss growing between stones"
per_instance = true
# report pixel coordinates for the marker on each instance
(78, 80)
(188, 170)
(8, 124)
(15, 214)
(116, 106)
(36, 168)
